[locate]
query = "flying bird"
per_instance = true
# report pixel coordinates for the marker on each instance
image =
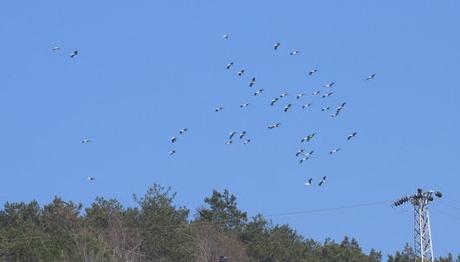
(74, 54)
(183, 130)
(225, 37)
(231, 135)
(329, 85)
(327, 94)
(90, 178)
(316, 93)
(312, 72)
(258, 92)
(300, 95)
(286, 108)
(309, 181)
(335, 151)
(244, 105)
(303, 159)
(350, 136)
(308, 138)
(323, 180)
(252, 82)
(229, 65)
(247, 141)
(370, 77)
(173, 139)
(276, 125)
(172, 152)
(325, 108)
(298, 153)
(306, 105)
(274, 101)
(241, 72)
(294, 52)
(283, 95)
(276, 45)
(309, 153)
(55, 49)
(229, 142)
(219, 108)
(85, 141)
(340, 108)
(242, 134)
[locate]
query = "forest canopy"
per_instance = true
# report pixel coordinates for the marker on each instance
(155, 229)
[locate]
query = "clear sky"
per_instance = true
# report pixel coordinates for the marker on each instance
(148, 68)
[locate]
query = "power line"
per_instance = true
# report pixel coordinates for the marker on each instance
(25, 237)
(319, 210)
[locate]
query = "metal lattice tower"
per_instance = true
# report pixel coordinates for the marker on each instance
(423, 245)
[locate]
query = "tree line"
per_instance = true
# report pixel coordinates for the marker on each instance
(158, 230)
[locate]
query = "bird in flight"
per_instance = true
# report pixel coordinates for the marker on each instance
(242, 134)
(244, 105)
(325, 108)
(298, 153)
(329, 85)
(247, 141)
(316, 93)
(219, 108)
(335, 151)
(258, 92)
(241, 72)
(306, 105)
(183, 130)
(350, 136)
(303, 159)
(55, 49)
(340, 108)
(276, 125)
(323, 180)
(309, 153)
(309, 181)
(327, 94)
(283, 95)
(90, 178)
(172, 152)
(252, 82)
(276, 45)
(229, 65)
(286, 108)
(231, 135)
(225, 37)
(300, 95)
(173, 139)
(274, 101)
(308, 138)
(295, 52)
(369, 77)
(85, 141)
(74, 54)
(312, 72)
(229, 142)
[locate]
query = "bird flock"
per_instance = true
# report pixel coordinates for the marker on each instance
(302, 155)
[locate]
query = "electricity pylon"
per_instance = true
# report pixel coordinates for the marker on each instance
(423, 245)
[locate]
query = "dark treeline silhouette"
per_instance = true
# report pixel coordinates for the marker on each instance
(157, 230)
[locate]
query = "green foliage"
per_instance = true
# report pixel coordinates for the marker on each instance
(222, 209)
(157, 230)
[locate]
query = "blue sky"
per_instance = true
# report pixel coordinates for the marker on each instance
(146, 69)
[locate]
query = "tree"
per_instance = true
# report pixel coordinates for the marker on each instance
(222, 210)
(163, 227)
(407, 255)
